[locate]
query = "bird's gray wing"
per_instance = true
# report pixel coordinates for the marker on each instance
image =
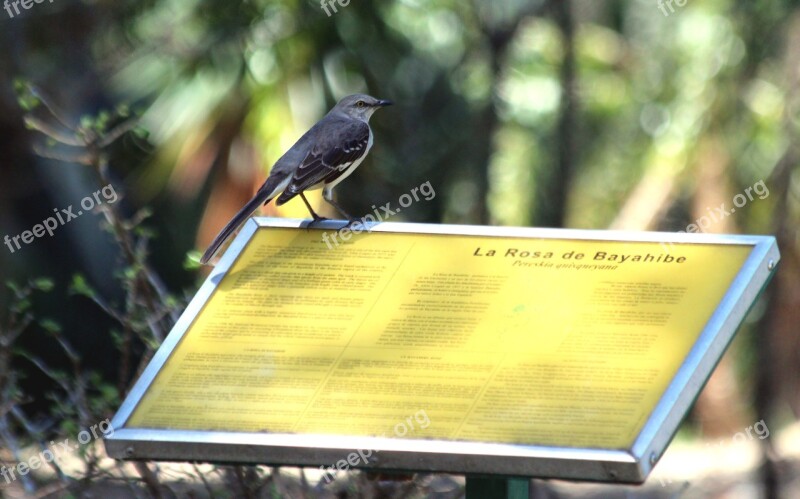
(337, 147)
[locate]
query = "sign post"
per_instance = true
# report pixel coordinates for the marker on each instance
(498, 488)
(477, 350)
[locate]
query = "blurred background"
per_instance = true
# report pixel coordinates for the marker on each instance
(595, 114)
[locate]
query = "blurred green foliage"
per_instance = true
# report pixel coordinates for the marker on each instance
(578, 113)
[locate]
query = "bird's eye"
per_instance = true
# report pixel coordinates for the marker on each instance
(361, 103)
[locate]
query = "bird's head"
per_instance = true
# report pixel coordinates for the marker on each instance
(360, 106)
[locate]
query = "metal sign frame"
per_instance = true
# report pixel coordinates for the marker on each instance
(628, 466)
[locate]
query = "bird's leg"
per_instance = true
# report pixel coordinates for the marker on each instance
(316, 217)
(327, 195)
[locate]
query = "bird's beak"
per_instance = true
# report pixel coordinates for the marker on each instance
(384, 103)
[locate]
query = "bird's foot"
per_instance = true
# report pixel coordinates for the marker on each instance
(316, 220)
(351, 222)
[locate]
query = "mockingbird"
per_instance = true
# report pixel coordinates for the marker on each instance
(324, 156)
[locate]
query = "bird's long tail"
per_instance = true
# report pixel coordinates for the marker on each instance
(263, 196)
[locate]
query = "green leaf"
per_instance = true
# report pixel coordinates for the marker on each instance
(145, 232)
(20, 352)
(13, 287)
(95, 379)
(116, 338)
(21, 305)
(20, 85)
(43, 284)
(69, 427)
(123, 110)
(50, 326)
(80, 286)
(192, 260)
(102, 121)
(151, 343)
(59, 375)
(130, 272)
(108, 392)
(25, 97)
(87, 121)
(171, 301)
(141, 132)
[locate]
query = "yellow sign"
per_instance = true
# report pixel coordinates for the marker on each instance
(497, 339)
